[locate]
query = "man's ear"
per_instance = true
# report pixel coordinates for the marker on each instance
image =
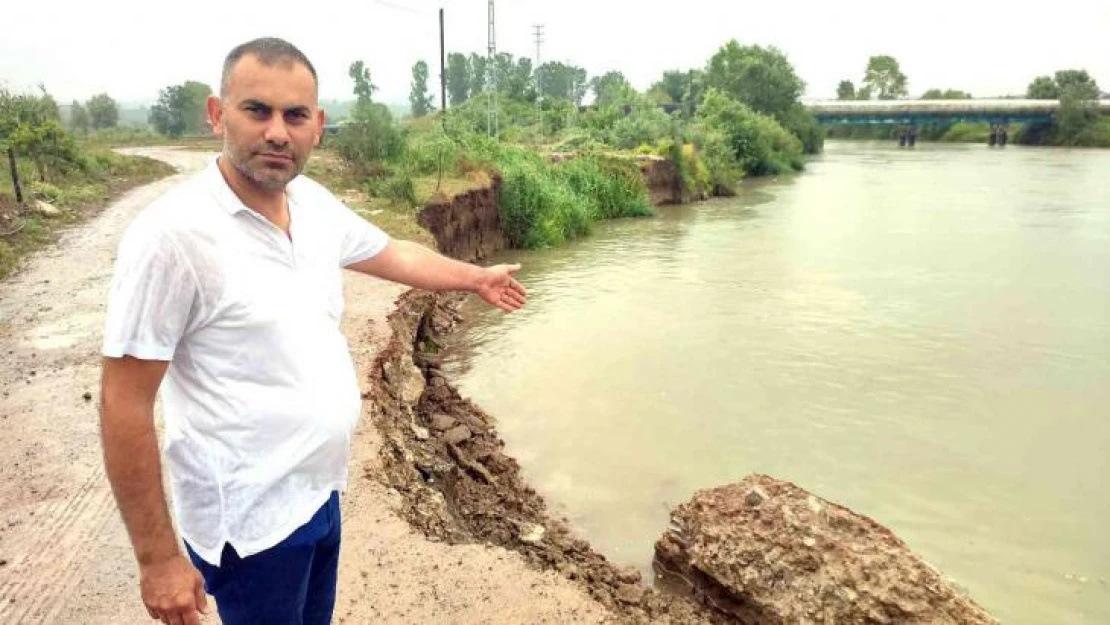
(321, 117)
(215, 109)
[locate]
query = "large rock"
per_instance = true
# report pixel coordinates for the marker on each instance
(767, 551)
(47, 209)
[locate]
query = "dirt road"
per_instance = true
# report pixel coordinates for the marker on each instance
(64, 554)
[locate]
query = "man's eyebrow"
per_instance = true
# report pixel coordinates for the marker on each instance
(296, 109)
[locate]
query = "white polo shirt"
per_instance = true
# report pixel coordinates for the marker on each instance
(260, 397)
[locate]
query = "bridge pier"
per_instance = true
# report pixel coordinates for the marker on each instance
(907, 135)
(1000, 134)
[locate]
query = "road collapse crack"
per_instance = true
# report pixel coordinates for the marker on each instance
(442, 453)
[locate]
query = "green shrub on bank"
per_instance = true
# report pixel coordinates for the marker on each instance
(370, 139)
(803, 125)
(397, 187)
(544, 205)
(74, 191)
(612, 188)
(1096, 135)
(761, 146)
(723, 169)
(538, 209)
(967, 132)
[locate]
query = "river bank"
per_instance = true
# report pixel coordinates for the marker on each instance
(440, 524)
(64, 553)
(917, 334)
(444, 454)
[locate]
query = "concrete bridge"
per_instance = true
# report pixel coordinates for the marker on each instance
(911, 114)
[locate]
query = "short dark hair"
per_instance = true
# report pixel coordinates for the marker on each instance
(269, 51)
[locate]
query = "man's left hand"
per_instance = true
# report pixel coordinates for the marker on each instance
(498, 288)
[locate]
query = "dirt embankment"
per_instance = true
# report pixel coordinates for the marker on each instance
(443, 454)
(467, 226)
(663, 180)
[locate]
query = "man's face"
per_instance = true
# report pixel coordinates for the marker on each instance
(269, 120)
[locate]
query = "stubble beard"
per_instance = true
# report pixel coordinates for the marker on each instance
(266, 179)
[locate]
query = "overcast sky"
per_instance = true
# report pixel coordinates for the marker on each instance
(133, 48)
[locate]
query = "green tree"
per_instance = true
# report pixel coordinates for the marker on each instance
(103, 111)
(695, 90)
(517, 83)
(758, 76)
(364, 87)
(458, 78)
(79, 118)
(672, 86)
(30, 127)
(370, 138)
(759, 144)
(884, 78)
(419, 100)
(946, 94)
(181, 109)
(611, 88)
(478, 74)
(845, 90)
(561, 81)
(1076, 84)
(49, 106)
(502, 67)
(1043, 88)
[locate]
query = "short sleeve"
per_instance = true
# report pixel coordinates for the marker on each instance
(360, 238)
(153, 295)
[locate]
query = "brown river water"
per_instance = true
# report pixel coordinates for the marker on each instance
(921, 335)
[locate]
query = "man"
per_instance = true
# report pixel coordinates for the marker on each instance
(229, 286)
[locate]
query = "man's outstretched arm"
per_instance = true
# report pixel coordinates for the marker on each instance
(172, 589)
(415, 265)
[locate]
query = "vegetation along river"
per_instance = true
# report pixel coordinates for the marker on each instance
(921, 335)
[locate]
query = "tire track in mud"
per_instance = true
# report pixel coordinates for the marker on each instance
(49, 558)
(56, 506)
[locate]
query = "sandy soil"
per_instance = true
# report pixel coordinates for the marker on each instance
(64, 554)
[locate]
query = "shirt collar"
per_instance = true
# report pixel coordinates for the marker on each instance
(225, 197)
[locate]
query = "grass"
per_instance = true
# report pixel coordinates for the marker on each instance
(397, 218)
(544, 205)
(78, 196)
(134, 137)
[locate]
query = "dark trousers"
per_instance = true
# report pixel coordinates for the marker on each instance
(291, 583)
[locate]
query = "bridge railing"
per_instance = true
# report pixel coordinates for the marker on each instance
(937, 111)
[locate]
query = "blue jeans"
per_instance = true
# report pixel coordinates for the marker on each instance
(291, 583)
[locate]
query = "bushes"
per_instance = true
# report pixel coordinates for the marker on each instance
(803, 125)
(544, 204)
(761, 146)
(629, 125)
(723, 169)
(370, 139)
(537, 208)
(611, 188)
(974, 132)
(398, 188)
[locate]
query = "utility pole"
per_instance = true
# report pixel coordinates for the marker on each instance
(536, 75)
(491, 79)
(442, 71)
